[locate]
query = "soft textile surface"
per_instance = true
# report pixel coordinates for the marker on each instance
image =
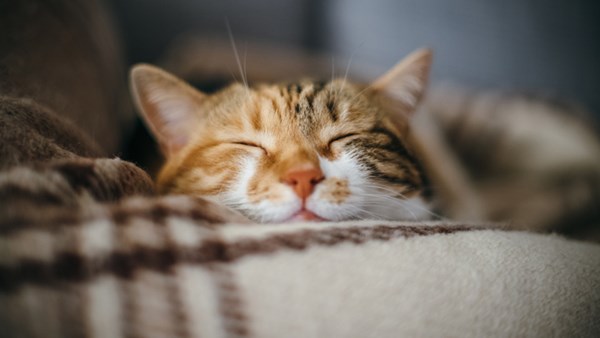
(65, 56)
(152, 268)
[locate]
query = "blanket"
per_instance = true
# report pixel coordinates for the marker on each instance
(161, 268)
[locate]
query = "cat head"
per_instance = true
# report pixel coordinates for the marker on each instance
(304, 150)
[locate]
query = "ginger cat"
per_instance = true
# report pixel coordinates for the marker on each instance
(320, 151)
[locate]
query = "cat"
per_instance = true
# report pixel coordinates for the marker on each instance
(296, 151)
(382, 151)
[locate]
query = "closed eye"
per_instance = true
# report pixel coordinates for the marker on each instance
(250, 144)
(341, 137)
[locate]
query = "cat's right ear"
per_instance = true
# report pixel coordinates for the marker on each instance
(401, 89)
(169, 106)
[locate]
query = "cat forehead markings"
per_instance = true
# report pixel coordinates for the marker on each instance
(315, 106)
(294, 111)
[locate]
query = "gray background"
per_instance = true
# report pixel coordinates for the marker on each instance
(547, 46)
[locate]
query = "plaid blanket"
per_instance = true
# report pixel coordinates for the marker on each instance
(168, 267)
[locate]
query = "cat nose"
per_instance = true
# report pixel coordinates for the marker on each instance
(303, 181)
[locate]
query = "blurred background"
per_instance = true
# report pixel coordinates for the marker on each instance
(550, 46)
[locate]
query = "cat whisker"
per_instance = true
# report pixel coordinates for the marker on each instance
(332, 68)
(399, 194)
(342, 216)
(377, 217)
(235, 52)
(245, 67)
(403, 201)
(233, 76)
(370, 214)
(249, 212)
(360, 93)
(334, 98)
(348, 68)
(398, 202)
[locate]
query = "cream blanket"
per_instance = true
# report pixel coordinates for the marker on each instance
(153, 268)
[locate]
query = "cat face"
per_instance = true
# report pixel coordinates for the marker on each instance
(292, 151)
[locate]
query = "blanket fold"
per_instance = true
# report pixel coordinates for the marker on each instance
(155, 269)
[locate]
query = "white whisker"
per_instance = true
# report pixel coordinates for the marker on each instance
(348, 66)
(332, 68)
(245, 68)
(235, 52)
(360, 93)
(398, 200)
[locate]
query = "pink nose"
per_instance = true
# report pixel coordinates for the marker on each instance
(303, 181)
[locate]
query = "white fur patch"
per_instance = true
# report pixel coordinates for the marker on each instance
(367, 200)
(265, 210)
(346, 167)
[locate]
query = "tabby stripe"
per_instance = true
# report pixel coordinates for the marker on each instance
(331, 109)
(295, 87)
(276, 110)
(376, 173)
(310, 97)
(256, 118)
(73, 267)
(395, 145)
(398, 147)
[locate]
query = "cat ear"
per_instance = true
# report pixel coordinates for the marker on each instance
(169, 106)
(400, 90)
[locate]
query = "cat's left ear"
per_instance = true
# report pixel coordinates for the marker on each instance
(169, 106)
(401, 89)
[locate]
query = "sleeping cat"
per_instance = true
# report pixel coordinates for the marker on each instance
(307, 150)
(338, 150)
